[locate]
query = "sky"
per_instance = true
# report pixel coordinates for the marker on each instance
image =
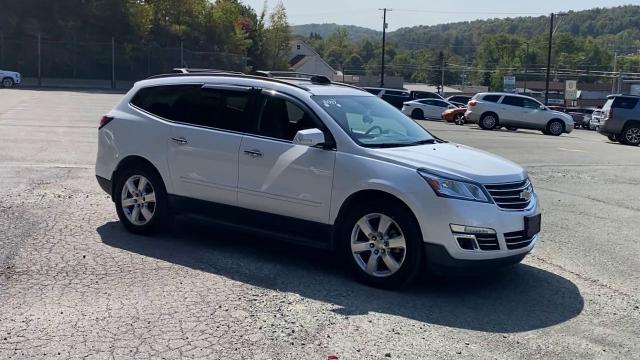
(421, 12)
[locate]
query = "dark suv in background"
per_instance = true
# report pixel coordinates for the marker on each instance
(621, 119)
(397, 97)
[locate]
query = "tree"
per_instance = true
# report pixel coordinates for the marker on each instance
(278, 36)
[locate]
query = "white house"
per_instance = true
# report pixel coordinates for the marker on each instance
(303, 59)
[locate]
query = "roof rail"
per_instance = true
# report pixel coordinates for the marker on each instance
(227, 74)
(199, 70)
(314, 78)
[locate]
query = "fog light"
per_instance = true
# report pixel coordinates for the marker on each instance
(463, 229)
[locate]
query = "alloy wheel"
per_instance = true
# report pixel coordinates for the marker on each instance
(555, 128)
(378, 245)
(138, 200)
(632, 135)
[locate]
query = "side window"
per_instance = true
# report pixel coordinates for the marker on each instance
(530, 104)
(427, 102)
(625, 103)
(160, 100)
(513, 101)
(491, 98)
(282, 119)
(441, 103)
(192, 104)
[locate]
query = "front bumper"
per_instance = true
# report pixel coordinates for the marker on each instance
(435, 215)
(438, 258)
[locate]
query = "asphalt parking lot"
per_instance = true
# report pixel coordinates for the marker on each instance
(74, 284)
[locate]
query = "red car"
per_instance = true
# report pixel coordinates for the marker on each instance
(454, 115)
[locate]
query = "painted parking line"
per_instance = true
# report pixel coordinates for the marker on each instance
(572, 150)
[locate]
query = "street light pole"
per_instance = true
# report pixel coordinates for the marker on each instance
(546, 90)
(384, 35)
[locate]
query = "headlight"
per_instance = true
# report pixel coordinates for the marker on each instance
(455, 189)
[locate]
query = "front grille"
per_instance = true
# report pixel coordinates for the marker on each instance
(516, 240)
(487, 242)
(509, 195)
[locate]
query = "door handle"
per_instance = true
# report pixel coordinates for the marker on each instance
(253, 153)
(179, 140)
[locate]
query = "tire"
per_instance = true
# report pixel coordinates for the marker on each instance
(417, 114)
(139, 221)
(631, 135)
(488, 121)
(7, 82)
(459, 119)
(403, 225)
(612, 138)
(555, 128)
(511, 128)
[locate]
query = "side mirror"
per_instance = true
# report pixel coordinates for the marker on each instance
(542, 107)
(309, 137)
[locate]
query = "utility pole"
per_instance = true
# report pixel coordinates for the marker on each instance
(615, 66)
(526, 62)
(384, 37)
(546, 91)
(442, 75)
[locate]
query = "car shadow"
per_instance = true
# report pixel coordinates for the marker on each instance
(522, 298)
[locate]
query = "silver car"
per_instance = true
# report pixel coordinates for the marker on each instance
(495, 110)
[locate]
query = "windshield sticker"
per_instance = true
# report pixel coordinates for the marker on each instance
(330, 103)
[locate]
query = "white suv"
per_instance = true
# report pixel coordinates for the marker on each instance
(10, 79)
(318, 163)
(494, 110)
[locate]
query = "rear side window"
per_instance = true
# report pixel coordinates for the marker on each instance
(395, 93)
(192, 104)
(513, 101)
(425, 95)
(625, 103)
(373, 91)
(492, 98)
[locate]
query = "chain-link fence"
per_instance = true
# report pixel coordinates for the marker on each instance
(102, 64)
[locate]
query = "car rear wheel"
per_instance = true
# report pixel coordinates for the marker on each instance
(382, 244)
(631, 135)
(141, 201)
(555, 128)
(459, 119)
(7, 82)
(488, 121)
(417, 114)
(612, 138)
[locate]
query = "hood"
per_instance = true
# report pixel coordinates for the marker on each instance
(560, 114)
(455, 160)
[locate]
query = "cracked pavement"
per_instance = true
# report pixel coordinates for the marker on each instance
(75, 285)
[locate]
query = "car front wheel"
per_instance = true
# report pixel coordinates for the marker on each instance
(140, 199)
(382, 244)
(417, 114)
(555, 128)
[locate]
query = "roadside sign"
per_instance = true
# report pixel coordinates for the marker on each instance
(509, 84)
(571, 90)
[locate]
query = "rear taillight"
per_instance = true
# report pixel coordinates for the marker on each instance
(104, 121)
(472, 103)
(610, 116)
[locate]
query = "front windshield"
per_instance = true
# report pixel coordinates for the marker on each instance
(372, 122)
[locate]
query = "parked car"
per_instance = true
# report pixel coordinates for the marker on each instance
(314, 162)
(494, 110)
(621, 120)
(459, 100)
(596, 118)
(415, 95)
(394, 97)
(426, 108)
(581, 117)
(454, 115)
(9, 79)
